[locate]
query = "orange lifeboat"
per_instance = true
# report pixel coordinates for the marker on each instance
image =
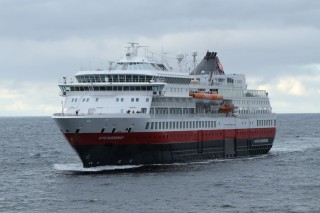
(202, 95)
(226, 108)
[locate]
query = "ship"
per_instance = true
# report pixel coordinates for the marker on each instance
(141, 111)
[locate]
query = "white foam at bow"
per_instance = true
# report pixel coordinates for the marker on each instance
(79, 167)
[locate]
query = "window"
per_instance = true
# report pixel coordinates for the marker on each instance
(147, 99)
(132, 99)
(147, 125)
(83, 99)
(117, 99)
(137, 99)
(97, 99)
(122, 99)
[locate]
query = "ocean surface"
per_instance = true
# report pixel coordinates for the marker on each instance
(39, 172)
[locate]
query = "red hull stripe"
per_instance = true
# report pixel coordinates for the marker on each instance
(167, 137)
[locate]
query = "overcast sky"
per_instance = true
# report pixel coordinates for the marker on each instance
(275, 43)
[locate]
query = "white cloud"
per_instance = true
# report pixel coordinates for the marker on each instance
(292, 93)
(291, 86)
(8, 94)
(31, 98)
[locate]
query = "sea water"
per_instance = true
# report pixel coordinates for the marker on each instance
(40, 172)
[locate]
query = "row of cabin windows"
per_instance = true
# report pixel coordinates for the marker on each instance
(252, 111)
(83, 99)
(131, 78)
(117, 99)
(110, 88)
(171, 111)
(178, 90)
(113, 78)
(266, 123)
(249, 102)
(192, 111)
(180, 125)
(132, 99)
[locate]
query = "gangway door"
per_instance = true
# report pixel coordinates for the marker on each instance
(200, 141)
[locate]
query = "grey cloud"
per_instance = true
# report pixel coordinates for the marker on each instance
(40, 41)
(58, 19)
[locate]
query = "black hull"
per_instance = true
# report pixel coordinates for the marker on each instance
(141, 154)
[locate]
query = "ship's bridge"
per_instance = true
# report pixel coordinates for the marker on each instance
(131, 76)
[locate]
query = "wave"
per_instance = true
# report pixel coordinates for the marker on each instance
(289, 149)
(298, 145)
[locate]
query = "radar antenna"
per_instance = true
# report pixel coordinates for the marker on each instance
(110, 65)
(133, 49)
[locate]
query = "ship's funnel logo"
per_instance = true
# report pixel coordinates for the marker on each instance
(220, 67)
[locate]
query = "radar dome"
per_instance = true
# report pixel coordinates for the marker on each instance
(179, 57)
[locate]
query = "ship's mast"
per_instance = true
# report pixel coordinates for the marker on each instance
(133, 49)
(194, 56)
